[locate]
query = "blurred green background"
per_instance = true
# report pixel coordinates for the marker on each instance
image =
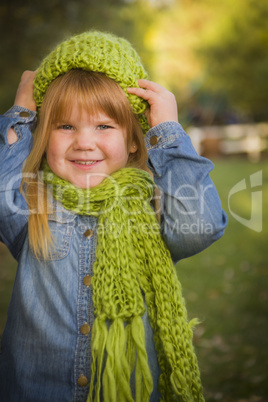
(214, 56)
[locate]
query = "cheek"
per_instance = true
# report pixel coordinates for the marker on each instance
(118, 150)
(56, 146)
(54, 154)
(120, 155)
(51, 152)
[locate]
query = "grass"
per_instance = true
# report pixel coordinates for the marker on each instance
(7, 275)
(225, 286)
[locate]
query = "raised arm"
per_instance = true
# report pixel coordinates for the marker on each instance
(16, 126)
(191, 214)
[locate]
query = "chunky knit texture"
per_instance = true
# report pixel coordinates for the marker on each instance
(131, 257)
(95, 51)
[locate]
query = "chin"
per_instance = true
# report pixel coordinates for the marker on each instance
(90, 183)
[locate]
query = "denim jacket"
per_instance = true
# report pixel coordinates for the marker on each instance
(45, 348)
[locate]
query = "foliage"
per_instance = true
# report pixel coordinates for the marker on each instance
(212, 55)
(236, 56)
(31, 29)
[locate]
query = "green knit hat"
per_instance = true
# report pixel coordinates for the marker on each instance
(100, 52)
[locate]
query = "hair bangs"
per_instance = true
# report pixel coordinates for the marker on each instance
(90, 91)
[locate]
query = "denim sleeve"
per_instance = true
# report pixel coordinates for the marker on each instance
(191, 214)
(13, 207)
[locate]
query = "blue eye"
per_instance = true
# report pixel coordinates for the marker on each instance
(103, 127)
(66, 127)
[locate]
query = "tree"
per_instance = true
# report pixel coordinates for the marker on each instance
(30, 29)
(214, 57)
(236, 57)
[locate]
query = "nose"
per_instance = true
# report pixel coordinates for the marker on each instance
(85, 140)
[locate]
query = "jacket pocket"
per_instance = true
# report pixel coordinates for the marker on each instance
(61, 228)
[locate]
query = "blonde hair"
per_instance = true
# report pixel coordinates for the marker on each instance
(93, 92)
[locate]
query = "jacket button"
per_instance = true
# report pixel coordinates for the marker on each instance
(87, 280)
(153, 140)
(85, 329)
(82, 381)
(88, 233)
(24, 114)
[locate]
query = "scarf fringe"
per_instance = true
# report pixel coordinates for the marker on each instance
(144, 381)
(125, 352)
(99, 339)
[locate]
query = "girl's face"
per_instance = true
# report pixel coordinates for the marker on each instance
(85, 149)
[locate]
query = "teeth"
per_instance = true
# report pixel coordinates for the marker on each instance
(85, 162)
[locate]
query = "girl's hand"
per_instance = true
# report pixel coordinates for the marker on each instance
(24, 95)
(163, 105)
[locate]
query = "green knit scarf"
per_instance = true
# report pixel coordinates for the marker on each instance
(132, 260)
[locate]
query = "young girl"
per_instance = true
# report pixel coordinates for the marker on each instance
(96, 312)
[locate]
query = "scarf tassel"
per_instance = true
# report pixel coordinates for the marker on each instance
(98, 342)
(116, 353)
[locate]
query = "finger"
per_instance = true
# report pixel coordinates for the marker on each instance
(151, 85)
(28, 74)
(145, 94)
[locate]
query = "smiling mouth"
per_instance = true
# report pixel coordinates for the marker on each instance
(87, 163)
